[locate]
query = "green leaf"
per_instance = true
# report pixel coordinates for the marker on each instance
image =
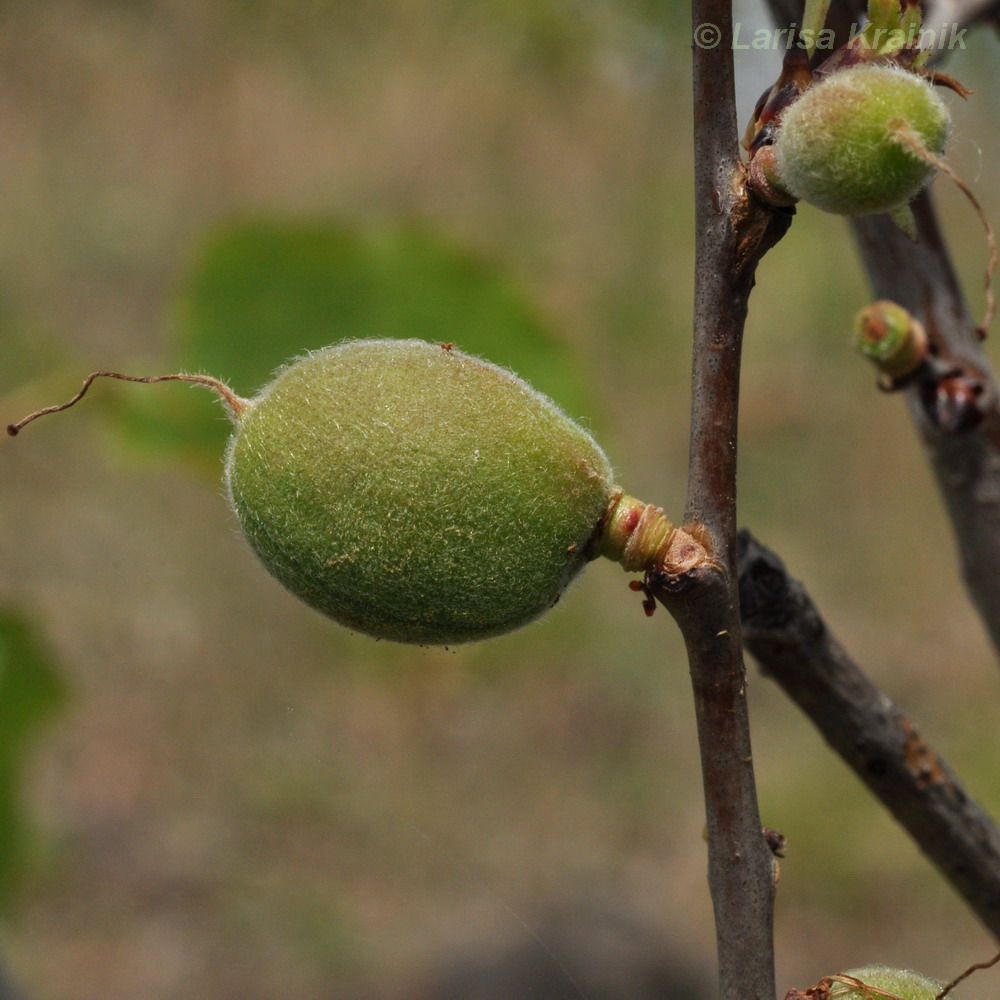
(891, 29)
(263, 292)
(884, 13)
(30, 692)
(911, 19)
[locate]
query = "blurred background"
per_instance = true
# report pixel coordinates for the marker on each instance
(207, 789)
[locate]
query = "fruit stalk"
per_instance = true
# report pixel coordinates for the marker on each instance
(642, 538)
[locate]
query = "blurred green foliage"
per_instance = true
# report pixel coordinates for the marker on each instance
(22, 346)
(263, 292)
(30, 693)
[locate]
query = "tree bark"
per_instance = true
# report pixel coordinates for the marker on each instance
(734, 232)
(785, 633)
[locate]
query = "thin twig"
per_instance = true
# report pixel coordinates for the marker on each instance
(733, 234)
(784, 632)
(921, 278)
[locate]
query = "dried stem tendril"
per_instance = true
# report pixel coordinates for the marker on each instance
(234, 402)
(906, 136)
(965, 975)
(850, 983)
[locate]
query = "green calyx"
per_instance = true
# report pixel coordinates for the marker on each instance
(861, 140)
(415, 493)
(892, 27)
(901, 983)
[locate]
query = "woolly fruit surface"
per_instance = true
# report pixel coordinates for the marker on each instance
(903, 983)
(413, 492)
(838, 145)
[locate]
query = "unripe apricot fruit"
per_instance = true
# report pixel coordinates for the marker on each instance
(851, 143)
(416, 493)
(413, 492)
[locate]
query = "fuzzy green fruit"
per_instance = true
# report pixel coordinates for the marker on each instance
(413, 492)
(838, 146)
(900, 982)
(418, 494)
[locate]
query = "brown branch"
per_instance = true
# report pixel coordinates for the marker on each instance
(957, 415)
(787, 636)
(733, 234)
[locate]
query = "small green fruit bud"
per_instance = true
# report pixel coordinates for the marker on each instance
(847, 144)
(900, 983)
(891, 338)
(415, 493)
